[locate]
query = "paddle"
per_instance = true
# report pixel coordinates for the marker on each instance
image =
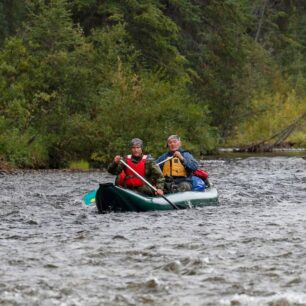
(163, 161)
(145, 181)
(90, 197)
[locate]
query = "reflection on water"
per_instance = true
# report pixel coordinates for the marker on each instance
(250, 250)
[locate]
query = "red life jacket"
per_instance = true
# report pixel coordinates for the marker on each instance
(131, 180)
(120, 179)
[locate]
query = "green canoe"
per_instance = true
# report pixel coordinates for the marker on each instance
(113, 198)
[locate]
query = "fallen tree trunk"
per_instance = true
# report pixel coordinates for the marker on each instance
(279, 138)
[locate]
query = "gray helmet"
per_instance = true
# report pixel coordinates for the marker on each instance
(136, 142)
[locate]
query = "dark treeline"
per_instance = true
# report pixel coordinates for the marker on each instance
(80, 78)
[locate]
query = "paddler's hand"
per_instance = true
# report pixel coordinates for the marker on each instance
(178, 155)
(117, 159)
(159, 192)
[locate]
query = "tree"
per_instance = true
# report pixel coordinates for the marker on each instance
(149, 30)
(12, 14)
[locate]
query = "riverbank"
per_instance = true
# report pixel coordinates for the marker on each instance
(223, 153)
(234, 153)
(5, 167)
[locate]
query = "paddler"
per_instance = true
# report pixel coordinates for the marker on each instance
(177, 170)
(144, 165)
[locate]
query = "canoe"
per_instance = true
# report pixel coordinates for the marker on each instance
(113, 198)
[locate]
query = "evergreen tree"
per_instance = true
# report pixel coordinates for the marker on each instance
(12, 14)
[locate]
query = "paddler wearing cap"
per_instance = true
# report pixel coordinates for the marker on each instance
(178, 169)
(143, 164)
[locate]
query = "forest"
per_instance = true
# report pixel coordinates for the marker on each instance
(80, 78)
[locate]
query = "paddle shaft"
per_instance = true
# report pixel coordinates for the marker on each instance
(90, 197)
(163, 161)
(145, 181)
(138, 175)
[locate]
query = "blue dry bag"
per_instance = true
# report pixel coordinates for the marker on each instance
(197, 184)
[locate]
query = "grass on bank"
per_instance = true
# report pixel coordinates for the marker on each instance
(81, 165)
(271, 114)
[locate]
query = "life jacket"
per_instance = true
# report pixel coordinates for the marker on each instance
(174, 167)
(131, 180)
(120, 179)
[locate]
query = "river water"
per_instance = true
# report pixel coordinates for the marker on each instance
(249, 250)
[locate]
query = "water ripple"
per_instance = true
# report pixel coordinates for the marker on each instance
(250, 250)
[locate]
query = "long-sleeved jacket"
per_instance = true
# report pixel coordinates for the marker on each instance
(190, 163)
(153, 173)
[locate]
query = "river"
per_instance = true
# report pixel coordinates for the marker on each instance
(249, 250)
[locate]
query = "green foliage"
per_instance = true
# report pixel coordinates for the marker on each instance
(12, 14)
(299, 138)
(272, 113)
(50, 28)
(148, 30)
(279, 28)
(150, 109)
(79, 79)
(218, 50)
(22, 150)
(79, 165)
(42, 78)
